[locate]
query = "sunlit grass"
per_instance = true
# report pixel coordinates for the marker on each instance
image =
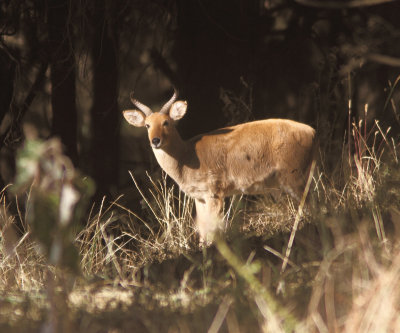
(341, 274)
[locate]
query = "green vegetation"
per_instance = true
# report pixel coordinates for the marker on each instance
(333, 267)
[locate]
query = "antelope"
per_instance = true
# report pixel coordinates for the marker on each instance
(250, 158)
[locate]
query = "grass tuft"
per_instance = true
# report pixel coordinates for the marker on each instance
(144, 270)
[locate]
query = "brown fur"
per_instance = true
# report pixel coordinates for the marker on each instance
(250, 158)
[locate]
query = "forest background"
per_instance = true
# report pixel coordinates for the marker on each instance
(66, 71)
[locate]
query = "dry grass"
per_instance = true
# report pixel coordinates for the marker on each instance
(144, 271)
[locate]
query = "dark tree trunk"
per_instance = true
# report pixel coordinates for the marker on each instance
(62, 77)
(104, 113)
(214, 48)
(7, 75)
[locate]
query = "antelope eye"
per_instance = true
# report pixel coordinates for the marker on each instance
(147, 126)
(166, 123)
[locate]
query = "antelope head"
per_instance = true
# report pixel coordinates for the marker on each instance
(160, 125)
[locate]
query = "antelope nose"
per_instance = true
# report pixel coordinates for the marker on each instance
(156, 142)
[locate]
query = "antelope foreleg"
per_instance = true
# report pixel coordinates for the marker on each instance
(208, 217)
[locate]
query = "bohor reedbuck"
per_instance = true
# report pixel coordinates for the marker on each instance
(250, 158)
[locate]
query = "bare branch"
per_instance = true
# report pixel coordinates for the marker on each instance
(384, 59)
(12, 133)
(342, 4)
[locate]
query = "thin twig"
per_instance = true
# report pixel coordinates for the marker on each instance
(298, 216)
(247, 273)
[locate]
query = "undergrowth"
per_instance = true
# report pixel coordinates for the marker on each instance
(337, 271)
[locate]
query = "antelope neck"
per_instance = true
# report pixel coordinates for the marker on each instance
(175, 157)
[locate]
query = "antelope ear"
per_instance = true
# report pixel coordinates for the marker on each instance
(178, 110)
(134, 117)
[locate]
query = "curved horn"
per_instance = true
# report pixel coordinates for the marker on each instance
(167, 105)
(146, 110)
